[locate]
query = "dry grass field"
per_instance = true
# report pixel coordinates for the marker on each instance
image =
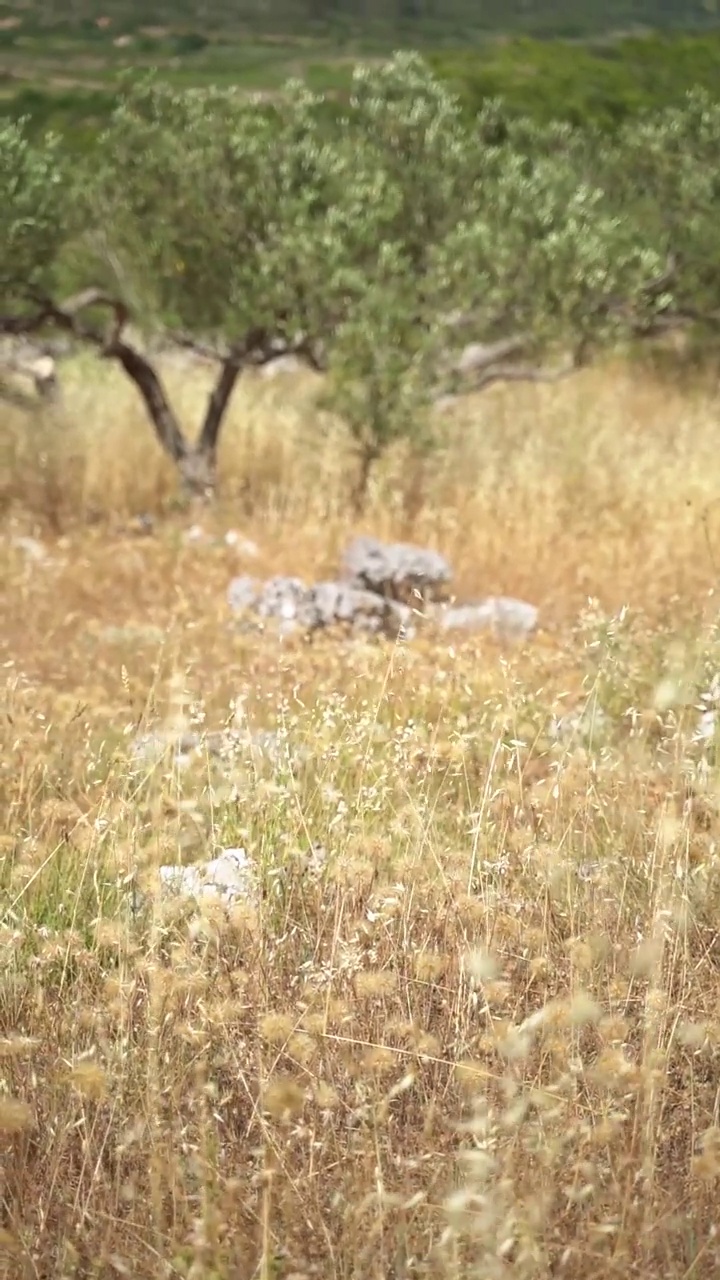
(481, 1037)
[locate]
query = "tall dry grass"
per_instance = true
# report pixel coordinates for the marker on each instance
(604, 484)
(481, 1037)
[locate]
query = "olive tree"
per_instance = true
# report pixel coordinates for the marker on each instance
(251, 229)
(386, 240)
(501, 259)
(211, 219)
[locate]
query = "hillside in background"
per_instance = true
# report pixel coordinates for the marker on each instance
(578, 60)
(454, 17)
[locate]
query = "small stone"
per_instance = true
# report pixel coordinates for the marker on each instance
(705, 730)
(231, 877)
(195, 534)
(243, 593)
(44, 373)
(588, 726)
(244, 546)
(282, 365)
(504, 616)
(474, 356)
(316, 859)
(150, 748)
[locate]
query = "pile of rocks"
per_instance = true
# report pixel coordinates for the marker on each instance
(382, 589)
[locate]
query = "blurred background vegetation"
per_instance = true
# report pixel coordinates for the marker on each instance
(580, 60)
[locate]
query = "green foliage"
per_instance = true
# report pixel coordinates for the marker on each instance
(574, 253)
(665, 167)
(76, 116)
(33, 213)
(189, 42)
(421, 17)
(604, 80)
(218, 214)
(381, 371)
(604, 83)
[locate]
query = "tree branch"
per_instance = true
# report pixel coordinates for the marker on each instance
(205, 350)
(138, 368)
(523, 373)
(692, 315)
(257, 347)
(66, 315)
(152, 391)
(480, 355)
(217, 406)
(17, 326)
(492, 368)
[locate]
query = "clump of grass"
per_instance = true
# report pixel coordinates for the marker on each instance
(480, 1036)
